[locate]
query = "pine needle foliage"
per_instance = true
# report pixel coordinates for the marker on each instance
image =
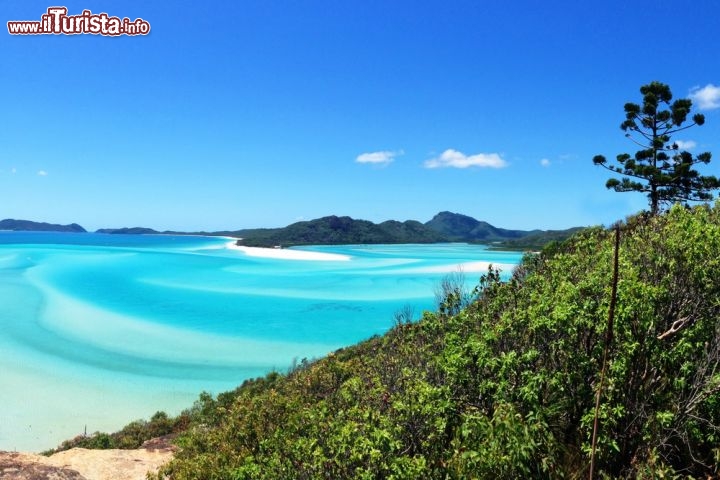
(661, 169)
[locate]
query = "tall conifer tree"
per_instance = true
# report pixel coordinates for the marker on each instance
(661, 169)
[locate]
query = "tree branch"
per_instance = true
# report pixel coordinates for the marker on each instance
(670, 132)
(676, 326)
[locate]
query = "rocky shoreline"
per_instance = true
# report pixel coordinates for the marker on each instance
(84, 464)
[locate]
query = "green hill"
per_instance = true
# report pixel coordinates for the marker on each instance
(30, 226)
(444, 227)
(499, 384)
(335, 230)
(461, 228)
(128, 231)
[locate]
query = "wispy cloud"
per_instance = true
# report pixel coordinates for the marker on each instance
(13, 170)
(384, 157)
(453, 159)
(545, 162)
(42, 173)
(686, 145)
(707, 97)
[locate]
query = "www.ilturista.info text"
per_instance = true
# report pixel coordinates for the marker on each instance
(56, 21)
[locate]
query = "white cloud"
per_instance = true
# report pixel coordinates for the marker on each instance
(707, 97)
(453, 158)
(686, 145)
(42, 173)
(545, 162)
(378, 158)
(13, 170)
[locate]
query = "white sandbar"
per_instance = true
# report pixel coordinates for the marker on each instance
(287, 254)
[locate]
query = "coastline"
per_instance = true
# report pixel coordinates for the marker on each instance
(61, 344)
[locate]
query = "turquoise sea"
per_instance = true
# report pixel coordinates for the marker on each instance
(98, 330)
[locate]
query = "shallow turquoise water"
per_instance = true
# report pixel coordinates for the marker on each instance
(98, 330)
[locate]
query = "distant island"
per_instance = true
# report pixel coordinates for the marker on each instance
(444, 227)
(31, 226)
(28, 226)
(129, 231)
(334, 230)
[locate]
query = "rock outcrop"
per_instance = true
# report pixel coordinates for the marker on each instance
(84, 464)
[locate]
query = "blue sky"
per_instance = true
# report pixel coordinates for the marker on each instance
(235, 114)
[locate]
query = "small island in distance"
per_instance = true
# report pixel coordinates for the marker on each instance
(29, 226)
(333, 230)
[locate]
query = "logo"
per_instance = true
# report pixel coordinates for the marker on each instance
(57, 22)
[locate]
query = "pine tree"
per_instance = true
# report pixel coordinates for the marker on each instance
(660, 169)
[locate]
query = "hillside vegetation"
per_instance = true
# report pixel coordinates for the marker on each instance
(501, 382)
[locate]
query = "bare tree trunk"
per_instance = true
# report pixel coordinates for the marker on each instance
(606, 352)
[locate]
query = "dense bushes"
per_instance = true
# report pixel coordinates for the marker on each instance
(505, 388)
(133, 435)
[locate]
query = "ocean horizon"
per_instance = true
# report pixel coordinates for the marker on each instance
(98, 330)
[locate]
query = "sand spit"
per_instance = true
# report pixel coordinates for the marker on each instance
(288, 254)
